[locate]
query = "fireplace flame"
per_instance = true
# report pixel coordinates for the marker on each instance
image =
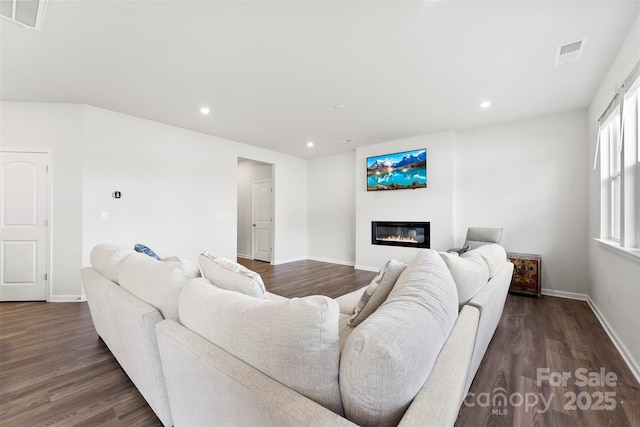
(398, 239)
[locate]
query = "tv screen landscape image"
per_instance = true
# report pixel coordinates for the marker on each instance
(397, 171)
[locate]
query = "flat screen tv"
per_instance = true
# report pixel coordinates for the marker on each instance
(397, 171)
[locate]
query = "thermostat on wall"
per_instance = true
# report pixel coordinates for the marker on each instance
(116, 194)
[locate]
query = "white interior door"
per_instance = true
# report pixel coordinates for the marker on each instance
(261, 197)
(23, 226)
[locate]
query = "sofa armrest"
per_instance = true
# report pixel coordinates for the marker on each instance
(126, 324)
(490, 301)
(209, 386)
(438, 402)
(348, 301)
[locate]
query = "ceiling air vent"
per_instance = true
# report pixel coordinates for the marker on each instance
(570, 52)
(29, 13)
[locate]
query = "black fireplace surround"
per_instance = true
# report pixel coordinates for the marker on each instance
(408, 234)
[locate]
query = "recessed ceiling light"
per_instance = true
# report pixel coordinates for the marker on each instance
(310, 144)
(339, 106)
(346, 141)
(205, 110)
(485, 104)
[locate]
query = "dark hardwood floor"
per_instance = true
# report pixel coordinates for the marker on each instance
(55, 371)
(536, 342)
(302, 278)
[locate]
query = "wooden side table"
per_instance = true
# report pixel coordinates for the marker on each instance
(527, 277)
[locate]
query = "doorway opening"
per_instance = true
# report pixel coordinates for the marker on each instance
(255, 210)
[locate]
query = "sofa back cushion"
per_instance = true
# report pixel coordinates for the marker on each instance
(494, 255)
(106, 259)
(388, 357)
(470, 274)
(293, 341)
(229, 275)
(155, 282)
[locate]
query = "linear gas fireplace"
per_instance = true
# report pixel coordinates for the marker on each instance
(410, 234)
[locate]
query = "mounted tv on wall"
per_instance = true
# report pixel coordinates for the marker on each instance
(397, 171)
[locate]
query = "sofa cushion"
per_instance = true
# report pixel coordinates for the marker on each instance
(227, 274)
(377, 291)
(494, 255)
(106, 259)
(293, 341)
(189, 266)
(155, 282)
(470, 274)
(387, 358)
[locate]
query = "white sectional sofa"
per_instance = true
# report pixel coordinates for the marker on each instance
(220, 350)
(128, 294)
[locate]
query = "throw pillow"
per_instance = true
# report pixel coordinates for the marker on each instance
(294, 341)
(377, 291)
(387, 359)
(470, 274)
(145, 250)
(459, 251)
(227, 274)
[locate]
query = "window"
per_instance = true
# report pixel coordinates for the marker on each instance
(632, 137)
(611, 159)
(620, 166)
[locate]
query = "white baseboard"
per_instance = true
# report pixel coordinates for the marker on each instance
(633, 364)
(366, 268)
(286, 261)
(331, 261)
(67, 298)
(622, 349)
(563, 294)
(244, 256)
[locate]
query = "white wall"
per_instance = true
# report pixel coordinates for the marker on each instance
(332, 209)
(610, 271)
(55, 127)
(249, 171)
(291, 210)
(433, 204)
(528, 177)
(179, 188)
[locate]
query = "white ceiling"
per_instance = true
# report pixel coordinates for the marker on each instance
(272, 71)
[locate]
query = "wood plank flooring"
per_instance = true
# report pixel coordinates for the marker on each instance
(562, 336)
(303, 278)
(55, 371)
